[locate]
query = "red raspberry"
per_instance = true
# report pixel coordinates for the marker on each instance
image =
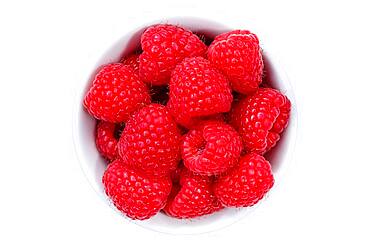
(260, 118)
(180, 117)
(175, 174)
(190, 123)
(105, 140)
(133, 62)
(245, 185)
(150, 141)
(196, 121)
(116, 93)
(232, 116)
(212, 148)
(134, 194)
(164, 46)
(194, 198)
(175, 189)
(238, 55)
(197, 89)
(272, 139)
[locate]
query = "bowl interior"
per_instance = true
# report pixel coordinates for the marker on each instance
(93, 165)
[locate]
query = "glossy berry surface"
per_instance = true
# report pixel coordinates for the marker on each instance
(193, 198)
(133, 62)
(105, 140)
(197, 89)
(134, 194)
(115, 94)
(150, 141)
(238, 55)
(246, 184)
(164, 46)
(260, 118)
(212, 148)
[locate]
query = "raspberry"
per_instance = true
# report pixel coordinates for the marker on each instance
(180, 117)
(175, 174)
(272, 139)
(245, 185)
(174, 190)
(133, 62)
(164, 46)
(212, 148)
(116, 92)
(105, 140)
(196, 121)
(197, 89)
(190, 123)
(150, 141)
(194, 198)
(238, 55)
(260, 118)
(134, 194)
(232, 117)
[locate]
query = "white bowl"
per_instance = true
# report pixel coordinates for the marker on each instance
(93, 165)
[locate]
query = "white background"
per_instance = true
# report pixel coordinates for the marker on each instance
(45, 50)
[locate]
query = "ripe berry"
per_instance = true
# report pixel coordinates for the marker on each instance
(175, 174)
(105, 140)
(134, 194)
(164, 46)
(238, 55)
(212, 148)
(246, 184)
(260, 118)
(197, 89)
(150, 141)
(115, 94)
(193, 122)
(195, 197)
(133, 62)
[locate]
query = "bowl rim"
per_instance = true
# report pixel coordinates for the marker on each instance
(80, 90)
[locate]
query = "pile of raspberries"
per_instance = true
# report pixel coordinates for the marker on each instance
(184, 125)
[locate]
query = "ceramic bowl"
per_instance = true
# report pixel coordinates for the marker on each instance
(93, 164)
